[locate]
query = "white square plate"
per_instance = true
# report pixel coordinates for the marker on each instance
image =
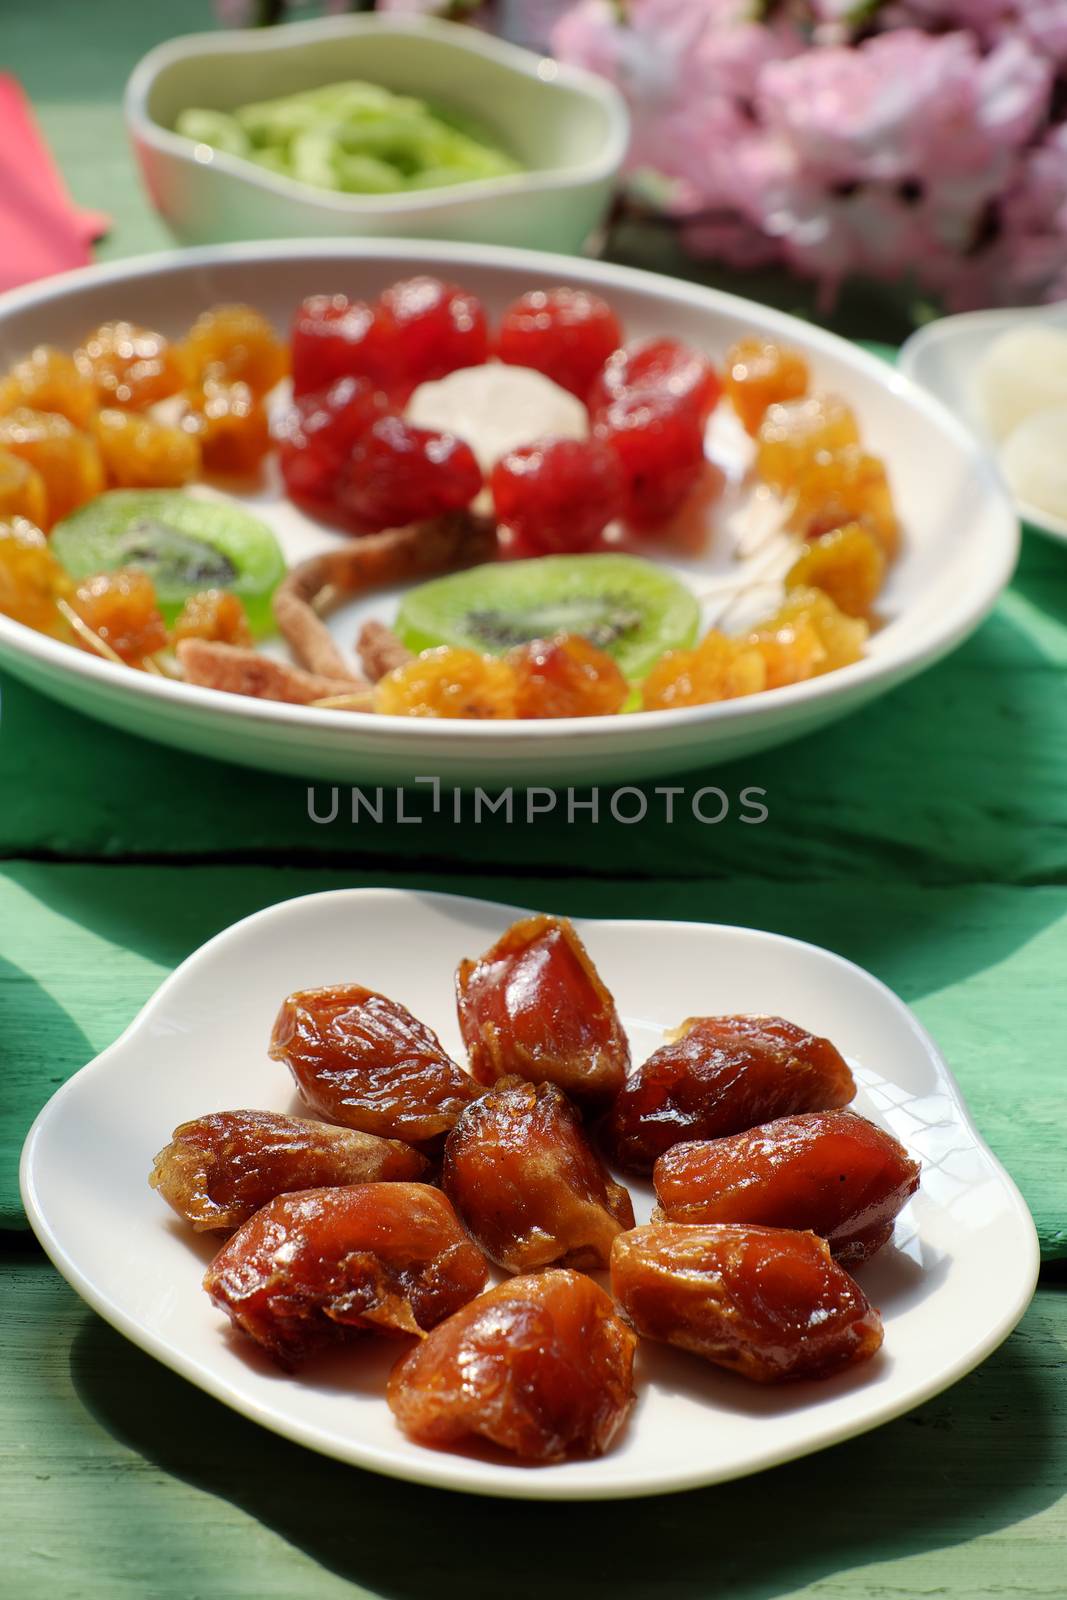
(957, 1278)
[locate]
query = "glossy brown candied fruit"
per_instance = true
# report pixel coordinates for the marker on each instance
(792, 432)
(719, 668)
(31, 579)
(48, 380)
(760, 374)
(566, 677)
(769, 1303)
(318, 1266)
(448, 682)
(130, 366)
(67, 460)
(218, 1170)
(840, 486)
(541, 1366)
(120, 609)
(229, 422)
(520, 1170)
(848, 565)
(365, 1061)
(808, 635)
(22, 490)
(213, 614)
(831, 1172)
(140, 453)
(721, 1075)
(236, 342)
(535, 1006)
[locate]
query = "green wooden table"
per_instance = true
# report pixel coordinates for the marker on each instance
(926, 839)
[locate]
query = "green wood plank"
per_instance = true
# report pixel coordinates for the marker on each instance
(960, 776)
(982, 965)
(121, 1481)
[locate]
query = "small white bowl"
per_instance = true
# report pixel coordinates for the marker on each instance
(568, 128)
(944, 358)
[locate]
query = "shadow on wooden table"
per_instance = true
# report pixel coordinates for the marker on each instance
(977, 1458)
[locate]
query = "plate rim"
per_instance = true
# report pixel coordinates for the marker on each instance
(400, 733)
(501, 1485)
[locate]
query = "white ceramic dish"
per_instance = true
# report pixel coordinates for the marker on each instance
(944, 358)
(567, 127)
(955, 1281)
(960, 545)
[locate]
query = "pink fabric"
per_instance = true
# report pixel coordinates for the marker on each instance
(41, 230)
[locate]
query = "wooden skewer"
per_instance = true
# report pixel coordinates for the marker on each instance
(91, 637)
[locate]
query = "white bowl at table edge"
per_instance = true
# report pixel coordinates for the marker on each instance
(973, 330)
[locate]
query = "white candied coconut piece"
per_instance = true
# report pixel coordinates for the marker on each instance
(495, 408)
(1023, 371)
(1034, 459)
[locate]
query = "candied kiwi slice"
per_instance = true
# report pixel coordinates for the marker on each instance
(184, 542)
(631, 609)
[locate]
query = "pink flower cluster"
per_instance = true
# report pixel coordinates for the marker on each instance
(919, 143)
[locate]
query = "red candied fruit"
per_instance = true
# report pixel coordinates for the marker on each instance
(657, 366)
(660, 447)
(333, 337)
(426, 329)
(319, 432)
(398, 474)
(558, 495)
(565, 333)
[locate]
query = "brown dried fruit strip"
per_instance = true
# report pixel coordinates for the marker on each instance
(236, 670)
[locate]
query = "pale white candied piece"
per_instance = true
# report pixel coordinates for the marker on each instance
(1023, 371)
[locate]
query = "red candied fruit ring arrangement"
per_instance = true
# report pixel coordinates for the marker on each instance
(346, 450)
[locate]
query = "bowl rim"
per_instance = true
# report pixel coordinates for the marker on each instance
(998, 563)
(550, 73)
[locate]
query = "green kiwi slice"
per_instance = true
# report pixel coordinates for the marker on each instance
(184, 543)
(627, 607)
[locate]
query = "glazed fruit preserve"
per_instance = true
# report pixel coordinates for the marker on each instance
(434, 438)
(382, 1222)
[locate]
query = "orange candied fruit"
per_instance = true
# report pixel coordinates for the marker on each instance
(759, 374)
(213, 614)
(566, 677)
(839, 486)
(720, 668)
(448, 682)
(237, 343)
(120, 608)
(67, 459)
(141, 453)
(807, 636)
(847, 564)
(792, 431)
(22, 491)
(31, 579)
(230, 423)
(48, 380)
(130, 366)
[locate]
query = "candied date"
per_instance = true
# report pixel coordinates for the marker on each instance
(830, 1171)
(721, 1075)
(219, 1169)
(520, 1170)
(542, 1366)
(534, 1006)
(364, 1060)
(770, 1303)
(321, 1265)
